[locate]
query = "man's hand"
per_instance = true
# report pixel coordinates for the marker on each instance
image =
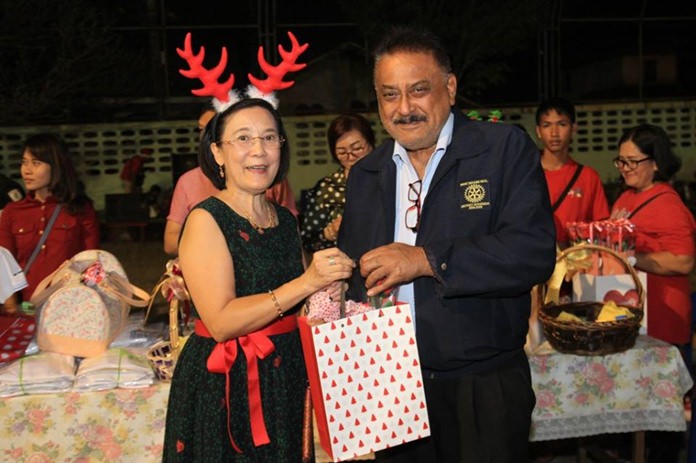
(391, 265)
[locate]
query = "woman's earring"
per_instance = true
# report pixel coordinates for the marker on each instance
(222, 171)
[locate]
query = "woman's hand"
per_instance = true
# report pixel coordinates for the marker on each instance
(331, 230)
(327, 266)
(334, 289)
(619, 214)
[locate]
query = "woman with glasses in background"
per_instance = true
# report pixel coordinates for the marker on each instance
(664, 228)
(350, 138)
(664, 245)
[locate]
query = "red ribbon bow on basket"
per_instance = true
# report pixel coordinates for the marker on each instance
(173, 285)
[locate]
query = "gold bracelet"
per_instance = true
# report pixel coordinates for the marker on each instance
(275, 302)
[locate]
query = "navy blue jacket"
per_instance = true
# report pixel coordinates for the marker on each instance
(487, 228)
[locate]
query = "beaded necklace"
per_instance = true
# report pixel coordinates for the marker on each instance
(271, 220)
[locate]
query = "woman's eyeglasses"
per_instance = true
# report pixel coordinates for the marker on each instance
(629, 164)
(414, 210)
(351, 151)
(245, 141)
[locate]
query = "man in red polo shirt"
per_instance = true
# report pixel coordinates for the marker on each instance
(576, 191)
(133, 172)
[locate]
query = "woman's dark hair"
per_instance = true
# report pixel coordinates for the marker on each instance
(215, 129)
(347, 123)
(64, 186)
(654, 142)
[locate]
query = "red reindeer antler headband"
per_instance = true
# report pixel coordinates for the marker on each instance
(223, 94)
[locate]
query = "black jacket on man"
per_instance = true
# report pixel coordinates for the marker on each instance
(487, 229)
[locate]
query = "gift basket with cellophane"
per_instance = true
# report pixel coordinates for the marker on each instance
(593, 327)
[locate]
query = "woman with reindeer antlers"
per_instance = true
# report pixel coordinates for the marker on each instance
(238, 389)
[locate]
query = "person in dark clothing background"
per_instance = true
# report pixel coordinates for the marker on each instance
(133, 171)
(10, 191)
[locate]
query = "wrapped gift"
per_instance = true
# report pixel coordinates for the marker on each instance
(615, 234)
(365, 380)
(620, 288)
(84, 305)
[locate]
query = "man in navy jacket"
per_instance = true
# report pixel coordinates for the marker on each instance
(455, 217)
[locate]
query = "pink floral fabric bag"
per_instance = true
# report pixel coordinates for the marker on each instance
(84, 305)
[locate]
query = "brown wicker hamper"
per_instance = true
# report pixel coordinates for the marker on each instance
(589, 337)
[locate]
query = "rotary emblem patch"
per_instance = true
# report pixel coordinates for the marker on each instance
(475, 194)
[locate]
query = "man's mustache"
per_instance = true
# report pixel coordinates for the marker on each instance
(410, 119)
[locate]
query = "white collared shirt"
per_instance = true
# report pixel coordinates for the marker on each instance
(406, 174)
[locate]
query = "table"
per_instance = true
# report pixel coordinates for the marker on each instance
(117, 425)
(636, 390)
(633, 391)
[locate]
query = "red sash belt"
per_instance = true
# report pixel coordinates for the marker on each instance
(254, 345)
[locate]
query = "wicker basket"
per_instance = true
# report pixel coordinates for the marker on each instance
(163, 360)
(164, 354)
(591, 338)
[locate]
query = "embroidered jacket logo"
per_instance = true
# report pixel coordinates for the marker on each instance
(475, 194)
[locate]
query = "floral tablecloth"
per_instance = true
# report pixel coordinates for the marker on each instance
(118, 425)
(640, 389)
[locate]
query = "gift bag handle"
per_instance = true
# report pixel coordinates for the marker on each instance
(48, 285)
(153, 294)
(124, 290)
(113, 283)
(173, 317)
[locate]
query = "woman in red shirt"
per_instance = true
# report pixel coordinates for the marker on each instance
(664, 246)
(664, 229)
(50, 180)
